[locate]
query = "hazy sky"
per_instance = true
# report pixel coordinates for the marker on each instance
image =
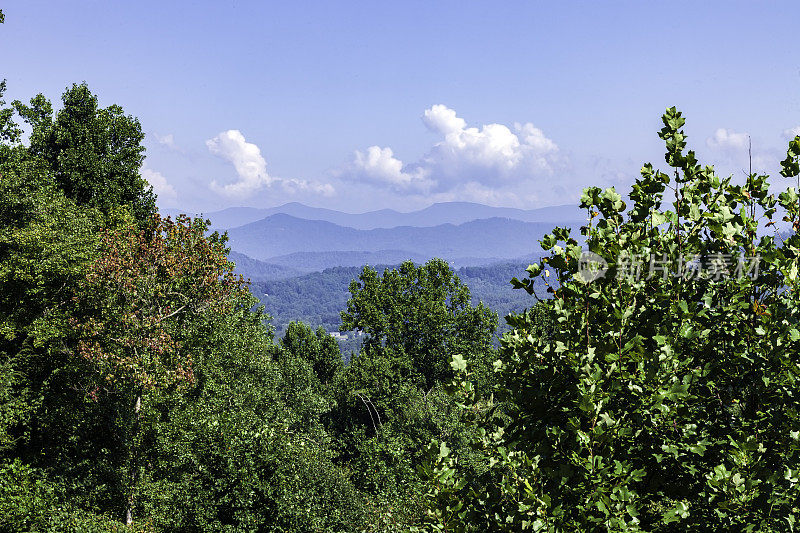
(366, 105)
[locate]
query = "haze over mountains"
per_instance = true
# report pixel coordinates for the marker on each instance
(281, 234)
(294, 239)
(434, 215)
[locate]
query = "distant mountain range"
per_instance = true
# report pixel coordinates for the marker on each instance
(492, 238)
(435, 215)
(294, 239)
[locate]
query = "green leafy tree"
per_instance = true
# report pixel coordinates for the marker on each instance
(416, 317)
(663, 402)
(94, 154)
(317, 348)
(138, 306)
(391, 397)
(46, 243)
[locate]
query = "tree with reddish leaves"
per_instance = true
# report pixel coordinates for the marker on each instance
(142, 302)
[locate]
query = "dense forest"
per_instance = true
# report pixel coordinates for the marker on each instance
(142, 387)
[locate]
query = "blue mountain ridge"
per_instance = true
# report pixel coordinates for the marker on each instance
(484, 239)
(434, 215)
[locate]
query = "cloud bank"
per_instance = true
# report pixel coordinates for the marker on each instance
(492, 163)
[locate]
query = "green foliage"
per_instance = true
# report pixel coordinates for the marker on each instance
(660, 403)
(243, 449)
(45, 243)
(94, 154)
(31, 502)
(391, 397)
(317, 348)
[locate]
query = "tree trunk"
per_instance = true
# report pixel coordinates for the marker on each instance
(132, 460)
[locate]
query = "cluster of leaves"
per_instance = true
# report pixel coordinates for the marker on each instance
(663, 402)
(139, 296)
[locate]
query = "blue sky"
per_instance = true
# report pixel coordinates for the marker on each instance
(366, 105)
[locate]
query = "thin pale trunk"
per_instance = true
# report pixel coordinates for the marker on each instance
(132, 461)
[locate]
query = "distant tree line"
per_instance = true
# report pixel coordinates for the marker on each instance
(318, 298)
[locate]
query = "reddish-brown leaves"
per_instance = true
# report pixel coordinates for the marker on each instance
(143, 292)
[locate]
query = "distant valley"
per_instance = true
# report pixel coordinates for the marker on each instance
(301, 259)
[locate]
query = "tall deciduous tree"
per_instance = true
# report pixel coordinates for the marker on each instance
(391, 396)
(417, 317)
(142, 300)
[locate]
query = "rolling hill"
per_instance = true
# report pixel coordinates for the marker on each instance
(318, 299)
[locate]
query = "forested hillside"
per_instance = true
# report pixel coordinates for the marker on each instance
(318, 298)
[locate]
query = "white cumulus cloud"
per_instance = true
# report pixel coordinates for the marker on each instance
(247, 160)
(467, 161)
(161, 187)
(251, 169)
(378, 165)
(441, 119)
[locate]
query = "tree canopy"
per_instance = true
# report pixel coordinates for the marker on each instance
(662, 400)
(94, 154)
